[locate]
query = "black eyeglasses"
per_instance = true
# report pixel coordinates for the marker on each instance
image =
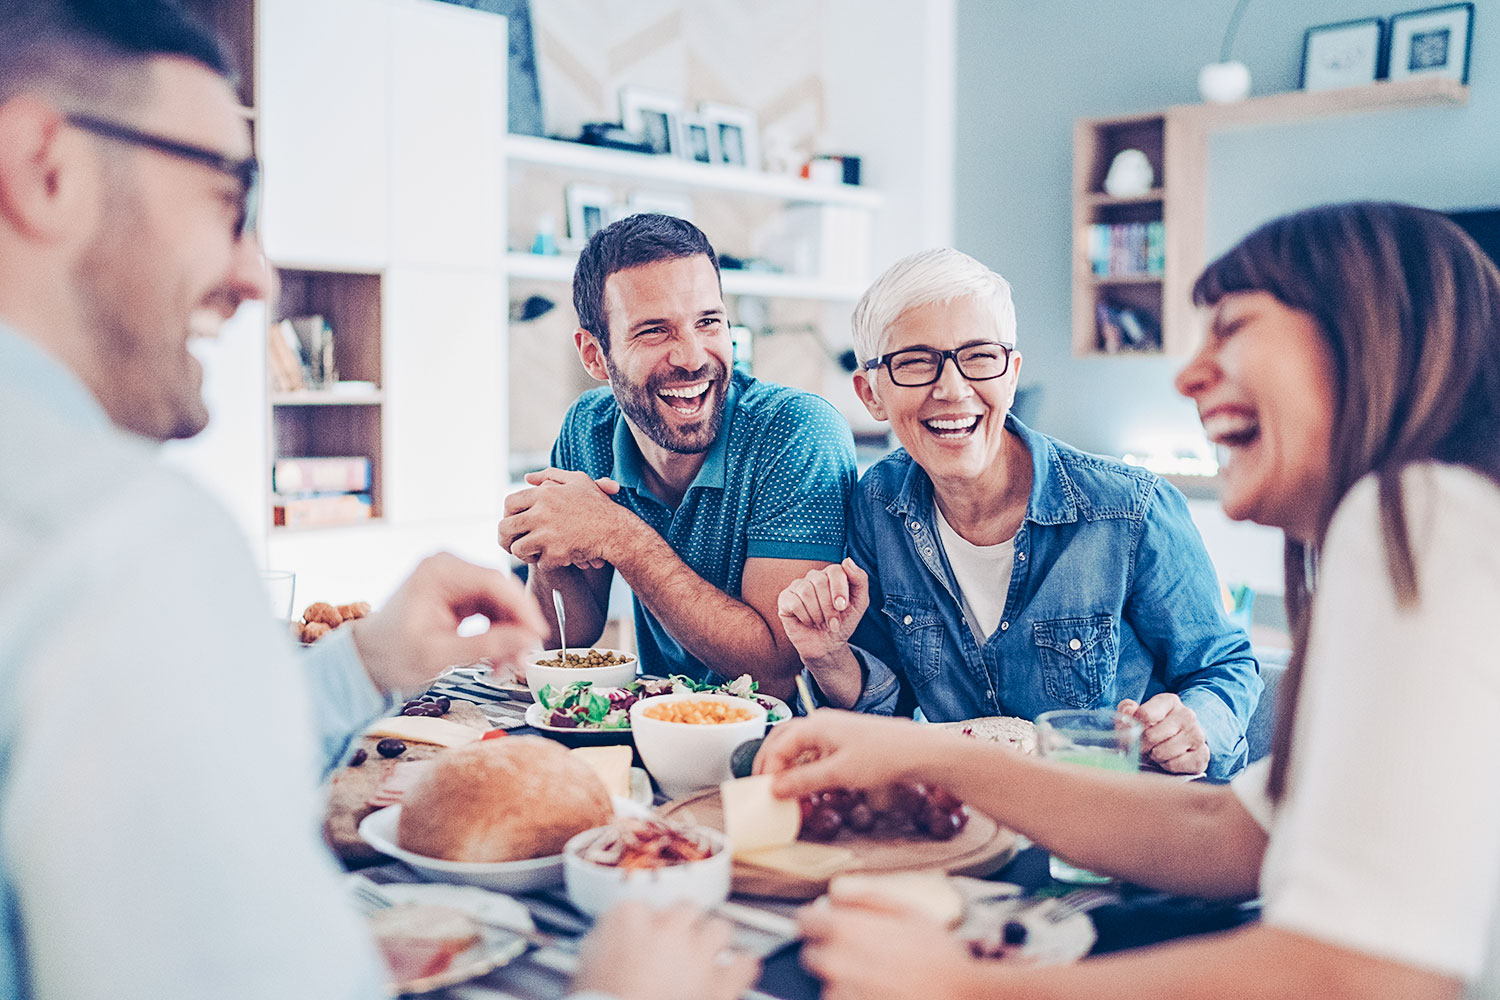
(246, 171)
(923, 365)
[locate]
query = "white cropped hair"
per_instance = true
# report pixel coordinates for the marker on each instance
(924, 278)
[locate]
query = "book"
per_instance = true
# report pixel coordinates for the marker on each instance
(320, 510)
(283, 361)
(321, 475)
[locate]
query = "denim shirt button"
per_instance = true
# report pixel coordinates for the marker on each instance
(916, 526)
(1005, 626)
(906, 620)
(1074, 645)
(1021, 556)
(990, 695)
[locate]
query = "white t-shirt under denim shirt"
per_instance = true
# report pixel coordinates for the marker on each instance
(1388, 839)
(983, 575)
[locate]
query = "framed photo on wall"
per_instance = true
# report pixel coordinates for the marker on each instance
(653, 116)
(734, 131)
(699, 140)
(1432, 42)
(589, 210)
(1345, 54)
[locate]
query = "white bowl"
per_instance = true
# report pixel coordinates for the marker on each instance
(594, 888)
(379, 831)
(560, 677)
(685, 757)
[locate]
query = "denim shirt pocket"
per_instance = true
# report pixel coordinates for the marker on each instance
(917, 633)
(1077, 657)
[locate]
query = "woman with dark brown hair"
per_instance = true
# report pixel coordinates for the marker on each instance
(1351, 377)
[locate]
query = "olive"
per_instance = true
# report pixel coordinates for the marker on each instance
(390, 747)
(824, 823)
(358, 758)
(1015, 932)
(411, 704)
(428, 697)
(414, 710)
(442, 703)
(943, 824)
(742, 761)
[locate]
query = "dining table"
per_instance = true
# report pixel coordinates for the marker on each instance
(1127, 917)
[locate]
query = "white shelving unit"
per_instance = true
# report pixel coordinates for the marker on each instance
(767, 284)
(576, 157)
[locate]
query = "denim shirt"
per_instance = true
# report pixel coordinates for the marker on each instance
(1112, 596)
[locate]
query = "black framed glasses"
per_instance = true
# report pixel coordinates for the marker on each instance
(924, 365)
(246, 171)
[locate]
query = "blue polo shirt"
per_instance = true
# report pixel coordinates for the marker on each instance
(775, 484)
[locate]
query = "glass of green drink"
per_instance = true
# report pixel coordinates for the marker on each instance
(1096, 737)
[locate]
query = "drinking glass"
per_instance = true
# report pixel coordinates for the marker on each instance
(1096, 737)
(281, 591)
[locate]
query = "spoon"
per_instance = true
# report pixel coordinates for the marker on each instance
(562, 626)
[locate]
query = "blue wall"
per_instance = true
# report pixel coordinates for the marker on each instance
(1027, 69)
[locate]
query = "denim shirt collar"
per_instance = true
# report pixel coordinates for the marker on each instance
(628, 471)
(1053, 500)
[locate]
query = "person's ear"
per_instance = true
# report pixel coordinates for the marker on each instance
(48, 181)
(591, 353)
(864, 386)
(1013, 377)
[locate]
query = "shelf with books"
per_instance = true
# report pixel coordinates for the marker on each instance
(1175, 142)
(324, 360)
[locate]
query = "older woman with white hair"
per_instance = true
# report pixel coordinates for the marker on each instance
(1007, 573)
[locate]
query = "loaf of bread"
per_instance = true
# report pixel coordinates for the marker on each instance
(501, 800)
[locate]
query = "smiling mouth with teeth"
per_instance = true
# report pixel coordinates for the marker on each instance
(1231, 430)
(954, 428)
(685, 399)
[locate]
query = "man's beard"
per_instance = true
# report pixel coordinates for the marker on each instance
(639, 403)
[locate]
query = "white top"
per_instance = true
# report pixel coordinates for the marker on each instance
(159, 807)
(1388, 839)
(983, 574)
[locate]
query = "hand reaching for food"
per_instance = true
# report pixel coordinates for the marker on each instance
(1172, 736)
(872, 949)
(834, 749)
(415, 636)
(624, 956)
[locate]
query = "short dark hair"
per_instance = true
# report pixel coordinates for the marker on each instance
(76, 47)
(631, 242)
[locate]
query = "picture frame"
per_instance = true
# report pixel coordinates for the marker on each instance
(1343, 54)
(589, 210)
(655, 117)
(675, 204)
(735, 133)
(700, 142)
(1433, 41)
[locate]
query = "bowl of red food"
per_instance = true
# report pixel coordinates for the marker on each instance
(650, 860)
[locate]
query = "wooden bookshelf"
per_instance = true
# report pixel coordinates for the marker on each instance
(1175, 141)
(325, 421)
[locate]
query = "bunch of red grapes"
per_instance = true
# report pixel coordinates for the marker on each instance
(911, 808)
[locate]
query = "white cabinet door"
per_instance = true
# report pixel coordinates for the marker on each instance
(448, 110)
(445, 394)
(324, 130)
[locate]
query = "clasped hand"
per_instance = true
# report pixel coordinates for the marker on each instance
(565, 519)
(820, 611)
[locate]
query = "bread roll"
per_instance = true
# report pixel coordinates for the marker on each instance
(501, 800)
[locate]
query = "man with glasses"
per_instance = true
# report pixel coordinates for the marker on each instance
(1004, 572)
(159, 756)
(707, 490)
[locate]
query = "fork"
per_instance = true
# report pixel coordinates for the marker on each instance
(1081, 901)
(368, 893)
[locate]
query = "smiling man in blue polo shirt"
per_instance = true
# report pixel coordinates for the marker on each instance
(709, 491)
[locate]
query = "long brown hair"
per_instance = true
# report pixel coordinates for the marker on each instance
(1410, 309)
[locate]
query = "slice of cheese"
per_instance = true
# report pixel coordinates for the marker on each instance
(809, 861)
(424, 729)
(927, 893)
(611, 764)
(754, 818)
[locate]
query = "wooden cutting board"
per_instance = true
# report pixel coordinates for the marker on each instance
(982, 848)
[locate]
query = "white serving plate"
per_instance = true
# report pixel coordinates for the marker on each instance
(379, 831)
